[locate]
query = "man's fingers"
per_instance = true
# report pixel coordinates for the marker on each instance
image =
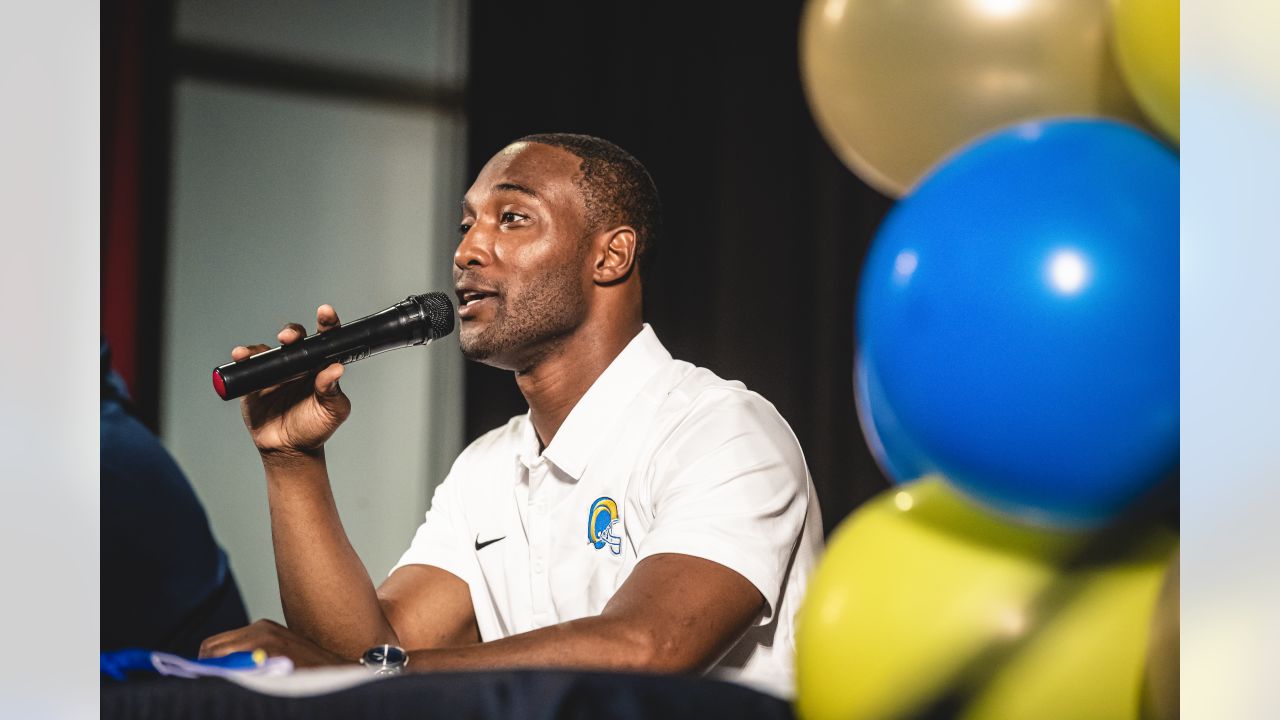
(240, 352)
(326, 318)
(291, 333)
(250, 637)
(225, 643)
(209, 649)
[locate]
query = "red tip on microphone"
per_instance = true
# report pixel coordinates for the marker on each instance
(218, 385)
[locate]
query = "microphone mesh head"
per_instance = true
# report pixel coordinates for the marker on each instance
(438, 310)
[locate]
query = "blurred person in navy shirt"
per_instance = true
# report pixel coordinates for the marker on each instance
(165, 582)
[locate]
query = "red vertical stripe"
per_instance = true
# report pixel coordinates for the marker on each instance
(119, 282)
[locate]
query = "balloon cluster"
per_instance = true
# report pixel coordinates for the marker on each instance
(1017, 359)
(896, 86)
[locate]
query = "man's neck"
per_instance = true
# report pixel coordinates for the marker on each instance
(555, 385)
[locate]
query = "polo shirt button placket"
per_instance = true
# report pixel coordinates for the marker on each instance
(537, 548)
(537, 544)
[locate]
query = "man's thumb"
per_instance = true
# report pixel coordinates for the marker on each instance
(327, 381)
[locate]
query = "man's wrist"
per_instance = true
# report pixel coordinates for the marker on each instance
(290, 459)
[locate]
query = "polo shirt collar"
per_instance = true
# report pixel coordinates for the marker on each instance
(530, 448)
(591, 420)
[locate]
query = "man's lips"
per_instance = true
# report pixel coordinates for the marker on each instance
(468, 310)
(471, 299)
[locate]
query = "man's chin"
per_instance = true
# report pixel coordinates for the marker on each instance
(474, 351)
(493, 360)
(507, 350)
(477, 349)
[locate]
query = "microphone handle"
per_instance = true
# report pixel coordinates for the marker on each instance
(398, 326)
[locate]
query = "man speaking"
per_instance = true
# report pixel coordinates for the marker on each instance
(644, 515)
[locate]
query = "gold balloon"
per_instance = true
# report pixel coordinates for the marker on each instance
(918, 585)
(1146, 41)
(896, 85)
(1160, 698)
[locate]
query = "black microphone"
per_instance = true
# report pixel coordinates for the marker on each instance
(416, 320)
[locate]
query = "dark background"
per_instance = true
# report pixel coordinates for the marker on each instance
(765, 230)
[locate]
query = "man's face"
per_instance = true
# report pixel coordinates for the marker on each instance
(521, 270)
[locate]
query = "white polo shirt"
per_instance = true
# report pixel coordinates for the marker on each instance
(659, 456)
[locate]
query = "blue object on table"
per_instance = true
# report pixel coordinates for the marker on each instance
(117, 663)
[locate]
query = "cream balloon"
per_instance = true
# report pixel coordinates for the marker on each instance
(897, 85)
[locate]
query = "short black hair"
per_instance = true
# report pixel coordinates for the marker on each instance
(616, 189)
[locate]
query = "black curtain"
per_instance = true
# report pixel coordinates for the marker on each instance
(765, 230)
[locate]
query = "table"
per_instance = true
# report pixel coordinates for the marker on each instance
(531, 694)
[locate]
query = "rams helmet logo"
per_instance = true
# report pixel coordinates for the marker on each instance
(604, 526)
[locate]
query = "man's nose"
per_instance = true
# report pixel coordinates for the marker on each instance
(474, 250)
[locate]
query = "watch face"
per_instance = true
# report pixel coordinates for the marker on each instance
(385, 655)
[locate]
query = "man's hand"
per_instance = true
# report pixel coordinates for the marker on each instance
(296, 417)
(274, 638)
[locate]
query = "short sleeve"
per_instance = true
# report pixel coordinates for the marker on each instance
(442, 539)
(730, 485)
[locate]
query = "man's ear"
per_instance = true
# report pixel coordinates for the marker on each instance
(616, 257)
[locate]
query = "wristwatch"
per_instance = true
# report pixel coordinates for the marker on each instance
(385, 659)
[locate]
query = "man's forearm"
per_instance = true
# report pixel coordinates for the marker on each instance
(595, 643)
(675, 613)
(324, 588)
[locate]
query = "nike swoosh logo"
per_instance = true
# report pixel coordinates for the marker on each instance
(487, 543)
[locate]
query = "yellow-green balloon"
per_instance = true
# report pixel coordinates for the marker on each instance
(1160, 693)
(896, 85)
(918, 583)
(1146, 42)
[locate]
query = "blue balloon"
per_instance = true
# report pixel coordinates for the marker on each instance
(1018, 322)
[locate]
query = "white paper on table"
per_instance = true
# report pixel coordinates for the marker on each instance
(307, 681)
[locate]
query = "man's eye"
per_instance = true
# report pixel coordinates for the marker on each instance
(463, 228)
(510, 217)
